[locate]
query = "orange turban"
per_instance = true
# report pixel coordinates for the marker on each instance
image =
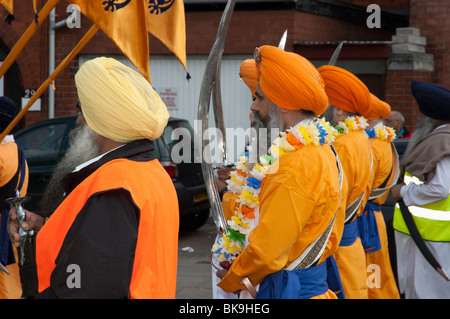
(379, 109)
(345, 91)
(249, 75)
(290, 81)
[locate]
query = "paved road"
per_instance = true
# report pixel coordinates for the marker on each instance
(194, 269)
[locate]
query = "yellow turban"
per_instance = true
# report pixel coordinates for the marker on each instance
(345, 91)
(249, 74)
(290, 81)
(379, 109)
(118, 103)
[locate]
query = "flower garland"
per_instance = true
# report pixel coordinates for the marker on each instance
(247, 183)
(352, 123)
(382, 132)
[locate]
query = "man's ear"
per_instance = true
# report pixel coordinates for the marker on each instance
(282, 110)
(338, 111)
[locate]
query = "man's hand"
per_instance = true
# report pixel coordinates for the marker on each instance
(221, 273)
(395, 192)
(223, 173)
(31, 222)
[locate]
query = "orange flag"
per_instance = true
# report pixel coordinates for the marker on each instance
(125, 22)
(8, 4)
(167, 23)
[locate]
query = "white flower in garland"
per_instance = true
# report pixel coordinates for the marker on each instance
(382, 132)
(352, 123)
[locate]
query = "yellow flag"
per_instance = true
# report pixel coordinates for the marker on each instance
(125, 22)
(167, 23)
(8, 4)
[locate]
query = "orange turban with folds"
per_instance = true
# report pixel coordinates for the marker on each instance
(345, 91)
(290, 81)
(379, 109)
(249, 74)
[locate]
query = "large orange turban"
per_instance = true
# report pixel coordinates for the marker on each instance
(379, 109)
(345, 91)
(249, 74)
(290, 81)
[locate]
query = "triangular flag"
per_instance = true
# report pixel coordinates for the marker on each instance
(125, 23)
(166, 22)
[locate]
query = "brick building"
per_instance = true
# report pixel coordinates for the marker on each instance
(409, 42)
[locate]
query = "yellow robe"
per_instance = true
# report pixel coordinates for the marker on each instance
(354, 152)
(10, 286)
(297, 202)
(382, 165)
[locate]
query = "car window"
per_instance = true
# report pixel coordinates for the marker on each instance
(173, 125)
(42, 144)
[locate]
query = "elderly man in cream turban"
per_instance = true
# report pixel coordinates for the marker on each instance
(115, 233)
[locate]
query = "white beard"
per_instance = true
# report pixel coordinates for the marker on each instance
(83, 147)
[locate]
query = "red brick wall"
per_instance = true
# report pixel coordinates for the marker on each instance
(248, 29)
(33, 61)
(399, 96)
(384, 4)
(431, 17)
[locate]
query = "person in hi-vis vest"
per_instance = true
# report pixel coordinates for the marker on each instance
(425, 191)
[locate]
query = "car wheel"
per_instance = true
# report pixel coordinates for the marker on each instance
(194, 221)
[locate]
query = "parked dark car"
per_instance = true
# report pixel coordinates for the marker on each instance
(44, 144)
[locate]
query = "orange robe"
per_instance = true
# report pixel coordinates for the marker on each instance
(297, 202)
(382, 165)
(354, 152)
(10, 286)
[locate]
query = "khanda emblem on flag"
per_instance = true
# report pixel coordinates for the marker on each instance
(113, 5)
(159, 6)
(155, 6)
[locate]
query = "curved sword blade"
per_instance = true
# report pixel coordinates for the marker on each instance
(336, 53)
(282, 43)
(208, 83)
(3, 268)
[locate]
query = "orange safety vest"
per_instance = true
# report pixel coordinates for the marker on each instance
(155, 262)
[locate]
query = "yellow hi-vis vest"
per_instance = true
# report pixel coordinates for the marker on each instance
(432, 220)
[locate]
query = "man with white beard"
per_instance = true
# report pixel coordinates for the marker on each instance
(82, 148)
(115, 232)
(265, 127)
(425, 192)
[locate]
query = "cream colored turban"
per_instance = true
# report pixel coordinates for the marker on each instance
(118, 103)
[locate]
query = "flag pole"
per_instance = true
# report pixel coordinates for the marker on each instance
(26, 36)
(86, 38)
